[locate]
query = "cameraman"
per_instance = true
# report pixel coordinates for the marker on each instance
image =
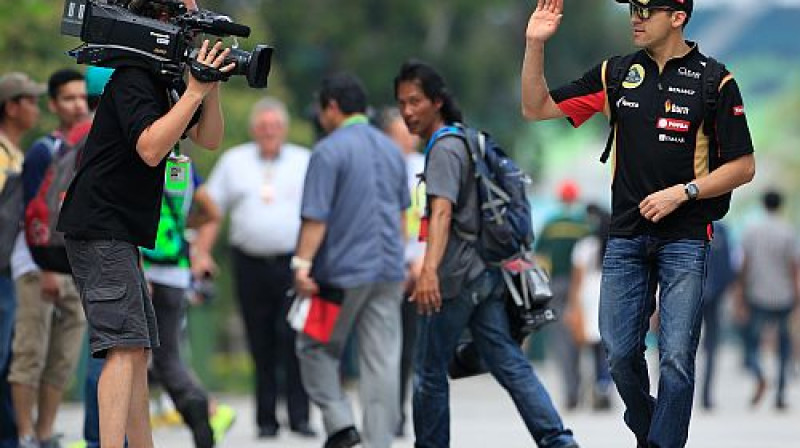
(112, 206)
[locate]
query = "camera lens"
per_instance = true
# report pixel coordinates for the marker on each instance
(255, 66)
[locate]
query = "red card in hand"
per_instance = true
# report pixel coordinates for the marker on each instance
(423, 229)
(316, 315)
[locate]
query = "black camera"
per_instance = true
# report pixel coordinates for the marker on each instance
(158, 35)
(528, 309)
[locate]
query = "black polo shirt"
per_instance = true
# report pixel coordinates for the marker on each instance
(115, 194)
(659, 138)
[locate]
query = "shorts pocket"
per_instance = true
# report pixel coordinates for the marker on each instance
(105, 310)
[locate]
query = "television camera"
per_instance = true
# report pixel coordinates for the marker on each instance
(158, 35)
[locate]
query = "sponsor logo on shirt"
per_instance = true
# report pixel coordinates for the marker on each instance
(671, 139)
(623, 102)
(635, 77)
(670, 107)
(682, 91)
(671, 124)
(683, 71)
(738, 110)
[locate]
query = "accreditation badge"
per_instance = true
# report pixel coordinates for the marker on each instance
(177, 172)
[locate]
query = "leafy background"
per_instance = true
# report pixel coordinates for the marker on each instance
(478, 45)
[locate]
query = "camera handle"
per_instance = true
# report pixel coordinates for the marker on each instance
(205, 73)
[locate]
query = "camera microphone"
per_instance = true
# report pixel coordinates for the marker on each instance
(231, 28)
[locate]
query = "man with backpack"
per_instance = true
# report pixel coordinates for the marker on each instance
(458, 287)
(19, 113)
(681, 145)
(50, 322)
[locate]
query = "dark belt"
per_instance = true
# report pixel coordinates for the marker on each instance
(278, 258)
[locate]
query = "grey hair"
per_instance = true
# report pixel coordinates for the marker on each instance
(269, 103)
(387, 116)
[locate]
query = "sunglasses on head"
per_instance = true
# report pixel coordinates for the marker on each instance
(646, 13)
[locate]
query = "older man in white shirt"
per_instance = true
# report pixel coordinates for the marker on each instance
(261, 184)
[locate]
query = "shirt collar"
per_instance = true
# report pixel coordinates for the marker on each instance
(693, 49)
(354, 119)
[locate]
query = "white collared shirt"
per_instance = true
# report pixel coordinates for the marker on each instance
(263, 197)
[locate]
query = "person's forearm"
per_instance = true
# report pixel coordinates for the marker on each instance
(438, 234)
(727, 177)
(311, 235)
(211, 128)
(537, 103)
(159, 138)
(206, 236)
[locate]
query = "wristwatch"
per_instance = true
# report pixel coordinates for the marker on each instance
(691, 190)
(298, 263)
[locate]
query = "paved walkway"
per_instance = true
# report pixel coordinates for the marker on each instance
(483, 416)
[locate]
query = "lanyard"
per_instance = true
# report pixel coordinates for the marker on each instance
(442, 131)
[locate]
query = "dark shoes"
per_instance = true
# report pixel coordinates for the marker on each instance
(304, 430)
(344, 438)
(271, 431)
(267, 431)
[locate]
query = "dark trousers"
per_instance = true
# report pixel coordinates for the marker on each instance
(759, 318)
(261, 285)
(711, 330)
(190, 399)
(8, 306)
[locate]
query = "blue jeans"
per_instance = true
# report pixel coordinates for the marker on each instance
(481, 308)
(8, 307)
(91, 412)
(632, 269)
(759, 317)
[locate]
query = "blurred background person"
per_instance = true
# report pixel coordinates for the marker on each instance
(167, 270)
(720, 274)
(352, 245)
(260, 183)
(582, 312)
(50, 322)
(19, 113)
(393, 125)
(554, 246)
(769, 285)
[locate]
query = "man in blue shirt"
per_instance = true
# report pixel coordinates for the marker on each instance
(352, 244)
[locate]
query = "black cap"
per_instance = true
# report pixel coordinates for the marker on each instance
(678, 5)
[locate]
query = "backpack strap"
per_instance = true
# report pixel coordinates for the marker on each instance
(616, 72)
(53, 144)
(496, 198)
(711, 79)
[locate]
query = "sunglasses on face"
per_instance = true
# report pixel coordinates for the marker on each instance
(646, 13)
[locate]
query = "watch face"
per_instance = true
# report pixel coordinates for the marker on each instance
(692, 191)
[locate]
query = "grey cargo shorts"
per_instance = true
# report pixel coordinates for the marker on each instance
(114, 294)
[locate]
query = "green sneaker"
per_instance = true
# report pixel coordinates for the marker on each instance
(78, 444)
(221, 421)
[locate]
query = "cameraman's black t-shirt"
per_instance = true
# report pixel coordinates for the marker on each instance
(115, 194)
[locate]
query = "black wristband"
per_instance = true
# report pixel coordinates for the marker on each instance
(205, 73)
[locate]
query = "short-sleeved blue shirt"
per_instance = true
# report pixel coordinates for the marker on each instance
(356, 184)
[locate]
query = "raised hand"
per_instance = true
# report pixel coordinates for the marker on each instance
(544, 20)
